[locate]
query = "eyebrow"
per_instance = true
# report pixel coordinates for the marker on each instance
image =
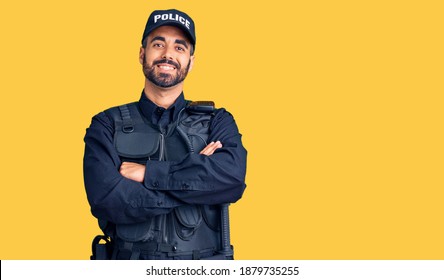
(182, 42)
(178, 41)
(160, 38)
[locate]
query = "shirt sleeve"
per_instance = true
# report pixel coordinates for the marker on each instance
(111, 196)
(201, 179)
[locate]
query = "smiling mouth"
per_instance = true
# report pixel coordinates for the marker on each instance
(166, 67)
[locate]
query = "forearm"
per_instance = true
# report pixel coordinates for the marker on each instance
(120, 200)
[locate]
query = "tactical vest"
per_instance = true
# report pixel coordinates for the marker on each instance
(187, 230)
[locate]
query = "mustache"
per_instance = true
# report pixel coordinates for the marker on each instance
(166, 61)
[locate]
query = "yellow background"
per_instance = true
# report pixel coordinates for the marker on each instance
(340, 104)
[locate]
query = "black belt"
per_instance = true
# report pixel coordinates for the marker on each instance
(133, 250)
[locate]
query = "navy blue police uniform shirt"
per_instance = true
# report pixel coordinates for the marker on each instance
(196, 179)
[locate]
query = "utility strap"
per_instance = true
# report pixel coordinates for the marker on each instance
(128, 125)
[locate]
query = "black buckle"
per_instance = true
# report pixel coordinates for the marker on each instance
(128, 128)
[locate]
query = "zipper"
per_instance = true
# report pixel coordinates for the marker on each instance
(162, 219)
(161, 146)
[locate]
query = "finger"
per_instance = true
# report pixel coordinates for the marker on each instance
(211, 148)
(127, 164)
(125, 167)
(207, 147)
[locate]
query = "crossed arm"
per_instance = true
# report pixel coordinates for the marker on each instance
(136, 171)
(127, 192)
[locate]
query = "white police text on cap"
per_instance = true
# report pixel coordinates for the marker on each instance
(174, 17)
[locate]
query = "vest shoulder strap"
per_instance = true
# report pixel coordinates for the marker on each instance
(125, 116)
(131, 127)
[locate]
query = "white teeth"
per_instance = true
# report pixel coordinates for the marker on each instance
(166, 67)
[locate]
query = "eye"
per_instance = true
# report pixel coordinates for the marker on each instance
(157, 45)
(179, 48)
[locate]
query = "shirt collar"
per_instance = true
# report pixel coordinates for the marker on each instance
(149, 109)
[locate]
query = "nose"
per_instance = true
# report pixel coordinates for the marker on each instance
(168, 53)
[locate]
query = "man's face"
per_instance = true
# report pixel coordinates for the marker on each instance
(166, 59)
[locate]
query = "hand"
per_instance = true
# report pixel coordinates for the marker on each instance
(210, 148)
(133, 171)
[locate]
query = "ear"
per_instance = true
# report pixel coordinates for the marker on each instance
(141, 55)
(191, 62)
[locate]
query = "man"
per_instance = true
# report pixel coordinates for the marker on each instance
(158, 171)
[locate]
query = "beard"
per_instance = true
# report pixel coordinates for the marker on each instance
(165, 80)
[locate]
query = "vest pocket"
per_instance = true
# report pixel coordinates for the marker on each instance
(145, 231)
(136, 145)
(187, 220)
